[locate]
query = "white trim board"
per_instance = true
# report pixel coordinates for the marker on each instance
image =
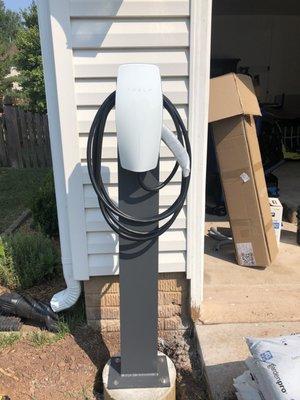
(62, 113)
(200, 38)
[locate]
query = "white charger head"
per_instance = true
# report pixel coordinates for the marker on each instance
(139, 113)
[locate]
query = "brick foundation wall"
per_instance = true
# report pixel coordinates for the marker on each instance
(102, 302)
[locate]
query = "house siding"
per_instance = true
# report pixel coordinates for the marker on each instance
(83, 44)
(103, 36)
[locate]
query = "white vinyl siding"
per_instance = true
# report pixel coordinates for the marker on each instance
(132, 8)
(104, 64)
(104, 35)
(83, 44)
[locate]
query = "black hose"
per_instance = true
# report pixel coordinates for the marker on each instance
(10, 324)
(116, 218)
(24, 306)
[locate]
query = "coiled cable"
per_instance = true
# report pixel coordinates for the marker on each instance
(114, 216)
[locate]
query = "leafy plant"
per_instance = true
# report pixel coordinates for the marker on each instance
(28, 61)
(26, 259)
(43, 207)
(17, 187)
(9, 26)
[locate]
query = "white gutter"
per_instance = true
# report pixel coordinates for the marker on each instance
(68, 297)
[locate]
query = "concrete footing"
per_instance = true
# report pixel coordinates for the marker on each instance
(167, 393)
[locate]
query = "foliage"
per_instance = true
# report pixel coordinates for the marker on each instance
(26, 259)
(9, 26)
(40, 339)
(44, 338)
(8, 339)
(28, 61)
(43, 207)
(17, 186)
(74, 316)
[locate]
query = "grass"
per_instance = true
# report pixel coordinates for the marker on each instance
(83, 394)
(74, 316)
(17, 187)
(41, 339)
(45, 338)
(68, 321)
(8, 339)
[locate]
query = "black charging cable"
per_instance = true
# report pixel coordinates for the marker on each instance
(114, 216)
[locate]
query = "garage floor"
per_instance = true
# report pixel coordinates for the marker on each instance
(240, 294)
(240, 302)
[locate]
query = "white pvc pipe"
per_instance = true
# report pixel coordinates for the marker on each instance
(68, 297)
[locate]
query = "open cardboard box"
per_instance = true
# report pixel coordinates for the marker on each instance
(232, 106)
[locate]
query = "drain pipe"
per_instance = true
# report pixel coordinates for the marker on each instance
(68, 297)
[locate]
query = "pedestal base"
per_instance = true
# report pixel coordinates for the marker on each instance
(150, 393)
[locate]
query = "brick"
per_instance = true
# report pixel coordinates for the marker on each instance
(102, 312)
(109, 325)
(110, 312)
(171, 275)
(160, 324)
(112, 288)
(169, 311)
(168, 298)
(92, 300)
(170, 285)
(174, 323)
(102, 302)
(95, 324)
(107, 300)
(104, 325)
(175, 282)
(110, 300)
(102, 284)
(92, 313)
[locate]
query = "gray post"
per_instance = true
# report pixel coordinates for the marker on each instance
(139, 365)
(138, 279)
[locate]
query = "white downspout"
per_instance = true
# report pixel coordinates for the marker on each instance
(68, 297)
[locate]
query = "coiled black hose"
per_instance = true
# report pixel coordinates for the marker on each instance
(116, 218)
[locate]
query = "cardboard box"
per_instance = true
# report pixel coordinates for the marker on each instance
(276, 213)
(232, 106)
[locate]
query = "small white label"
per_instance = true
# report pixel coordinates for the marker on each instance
(245, 254)
(245, 177)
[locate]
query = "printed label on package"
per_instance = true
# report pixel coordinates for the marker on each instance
(245, 254)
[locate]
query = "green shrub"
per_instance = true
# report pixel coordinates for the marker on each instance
(26, 259)
(43, 207)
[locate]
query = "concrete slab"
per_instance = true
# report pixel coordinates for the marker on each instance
(223, 350)
(240, 294)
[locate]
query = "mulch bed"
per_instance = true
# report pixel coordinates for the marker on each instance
(71, 367)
